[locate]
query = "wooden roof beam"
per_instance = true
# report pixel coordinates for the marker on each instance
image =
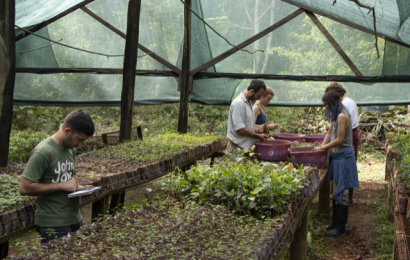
(333, 42)
(55, 18)
(247, 42)
(140, 46)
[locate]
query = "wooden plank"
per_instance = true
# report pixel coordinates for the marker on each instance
(183, 81)
(140, 46)
(298, 247)
(247, 42)
(7, 75)
(333, 42)
(53, 19)
(155, 73)
(130, 63)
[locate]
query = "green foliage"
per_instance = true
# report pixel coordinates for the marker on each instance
(10, 197)
(401, 141)
(154, 148)
(384, 232)
(23, 142)
(257, 189)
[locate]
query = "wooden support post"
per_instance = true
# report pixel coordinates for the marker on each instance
(333, 42)
(212, 160)
(117, 202)
(7, 75)
(99, 208)
(4, 250)
(139, 131)
(298, 248)
(130, 65)
(184, 79)
(324, 199)
(390, 195)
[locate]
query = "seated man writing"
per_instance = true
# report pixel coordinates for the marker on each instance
(50, 173)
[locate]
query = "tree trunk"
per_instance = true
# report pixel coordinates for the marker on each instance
(130, 66)
(272, 21)
(256, 31)
(7, 75)
(185, 81)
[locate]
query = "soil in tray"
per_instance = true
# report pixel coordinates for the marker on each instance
(165, 231)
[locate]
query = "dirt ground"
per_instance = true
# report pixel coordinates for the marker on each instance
(360, 241)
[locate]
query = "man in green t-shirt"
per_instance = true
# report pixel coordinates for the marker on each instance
(49, 175)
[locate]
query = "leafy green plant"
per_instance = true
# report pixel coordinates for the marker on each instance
(401, 141)
(10, 197)
(248, 188)
(23, 142)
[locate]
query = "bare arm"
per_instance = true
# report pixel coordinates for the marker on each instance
(327, 137)
(250, 133)
(343, 122)
(31, 188)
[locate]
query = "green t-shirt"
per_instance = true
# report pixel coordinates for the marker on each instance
(50, 163)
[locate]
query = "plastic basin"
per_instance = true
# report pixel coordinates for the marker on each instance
(289, 137)
(272, 150)
(307, 157)
(314, 138)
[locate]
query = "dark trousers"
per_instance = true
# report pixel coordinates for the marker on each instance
(50, 233)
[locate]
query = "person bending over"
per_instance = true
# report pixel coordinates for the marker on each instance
(342, 163)
(351, 107)
(50, 173)
(241, 120)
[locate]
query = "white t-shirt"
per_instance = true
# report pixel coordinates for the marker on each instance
(241, 116)
(353, 111)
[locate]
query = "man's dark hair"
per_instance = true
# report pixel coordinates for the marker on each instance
(256, 85)
(80, 122)
(336, 87)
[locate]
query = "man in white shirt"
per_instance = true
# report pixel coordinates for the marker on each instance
(241, 121)
(351, 107)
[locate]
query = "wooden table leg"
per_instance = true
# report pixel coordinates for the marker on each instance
(4, 250)
(212, 160)
(139, 131)
(298, 248)
(100, 207)
(324, 199)
(117, 201)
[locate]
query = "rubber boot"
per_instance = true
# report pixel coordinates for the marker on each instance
(350, 196)
(332, 225)
(341, 220)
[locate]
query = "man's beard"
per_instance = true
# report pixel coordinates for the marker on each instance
(68, 142)
(252, 98)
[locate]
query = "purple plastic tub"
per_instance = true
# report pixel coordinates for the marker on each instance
(314, 138)
(289, 137)
(305, 156)
(272, 150)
